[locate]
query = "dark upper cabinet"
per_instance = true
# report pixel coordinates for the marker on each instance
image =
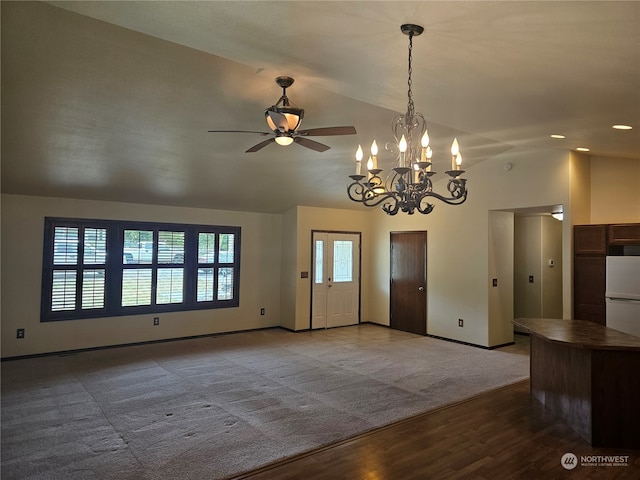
(624, 234)
(590, 240)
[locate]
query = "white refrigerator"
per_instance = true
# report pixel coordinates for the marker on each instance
(622, 295)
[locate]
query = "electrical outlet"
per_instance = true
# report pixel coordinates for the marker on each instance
(460, 322)
(156, 321)
(262, 311)
(530, 278)
(20, 333)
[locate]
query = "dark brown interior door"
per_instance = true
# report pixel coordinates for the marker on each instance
(409, 282)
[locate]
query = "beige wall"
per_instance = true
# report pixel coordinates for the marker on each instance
(22, 245)
(615, 192)
(501, 257)
(467, 247)
(289, 268)
(579, 212)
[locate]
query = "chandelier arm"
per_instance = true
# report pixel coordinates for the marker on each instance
(384, 199)
(362, 193)
(458, 194)
(426, 209)
(392, 208)
(356, 191)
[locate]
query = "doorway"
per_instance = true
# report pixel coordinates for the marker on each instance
(537, 266)
(335, 286)
(408, 290)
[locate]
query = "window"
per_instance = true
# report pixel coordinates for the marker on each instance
(100, 268)
(342, 261)
(319, 274)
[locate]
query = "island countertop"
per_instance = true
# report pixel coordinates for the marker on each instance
(579, 334)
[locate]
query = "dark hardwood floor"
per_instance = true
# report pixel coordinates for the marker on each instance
(504, 434)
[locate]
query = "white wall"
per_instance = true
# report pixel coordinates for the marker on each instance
(22, 247)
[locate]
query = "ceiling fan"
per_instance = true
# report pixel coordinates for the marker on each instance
(284, 118)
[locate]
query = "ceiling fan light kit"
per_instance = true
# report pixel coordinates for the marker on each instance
(408, 187)
(292, 114)
(284, 118)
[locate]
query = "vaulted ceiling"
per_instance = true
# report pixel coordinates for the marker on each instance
(113, 100)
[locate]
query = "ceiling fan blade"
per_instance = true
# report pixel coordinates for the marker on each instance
(239, 131)
(327, 131)
(279, 120)
(260, 145)
(313, 145)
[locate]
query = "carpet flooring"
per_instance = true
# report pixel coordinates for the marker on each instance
(213, 407)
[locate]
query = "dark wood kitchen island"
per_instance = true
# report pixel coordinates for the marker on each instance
(588, 375)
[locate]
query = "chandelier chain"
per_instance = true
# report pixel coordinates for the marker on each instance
(410, 106)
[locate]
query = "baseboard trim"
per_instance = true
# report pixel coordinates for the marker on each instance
(62, 353)
(493, 347)
(66, 353)
(331, 328)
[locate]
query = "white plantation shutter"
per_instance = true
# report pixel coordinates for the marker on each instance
(104, 268)
(63, 291)
(136, 287)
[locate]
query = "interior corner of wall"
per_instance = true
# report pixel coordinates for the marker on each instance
(579, 189)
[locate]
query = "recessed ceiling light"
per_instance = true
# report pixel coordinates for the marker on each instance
(582, 149)
(557, 136)
(622, 127)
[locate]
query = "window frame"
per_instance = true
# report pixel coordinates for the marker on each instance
(115, 267)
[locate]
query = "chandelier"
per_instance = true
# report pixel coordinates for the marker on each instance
(408, 187)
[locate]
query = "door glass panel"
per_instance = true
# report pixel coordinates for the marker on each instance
(342, 261)
(318, 273)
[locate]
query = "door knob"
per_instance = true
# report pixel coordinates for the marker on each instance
(421, 288)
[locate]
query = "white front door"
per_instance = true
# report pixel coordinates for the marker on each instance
(336, 279)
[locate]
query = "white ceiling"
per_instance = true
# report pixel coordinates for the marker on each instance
(113, 100)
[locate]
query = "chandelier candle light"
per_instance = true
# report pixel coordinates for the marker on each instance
(408, 186)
